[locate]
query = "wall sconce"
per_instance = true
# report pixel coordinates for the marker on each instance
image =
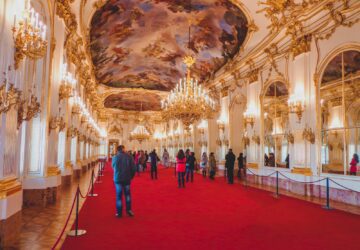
(68, 82)
(221, 125)
(289, 137)
(256, 139)
(249, 118)
(218, 142)
(309, 135)
(76, 110)
(201, 131)
(202, 143)
(246, 141)
(29, 36)
(84, 120)
(28, 109)
(71, 132)
(54, 123)
(296, 106)
(9, 96)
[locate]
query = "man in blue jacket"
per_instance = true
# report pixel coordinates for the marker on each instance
(124, 170)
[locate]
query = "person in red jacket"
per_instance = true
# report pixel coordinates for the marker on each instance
(180, 167)
(353, 164)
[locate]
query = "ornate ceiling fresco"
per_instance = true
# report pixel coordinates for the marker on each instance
(133, 100)
(333, 70)
(141, 43)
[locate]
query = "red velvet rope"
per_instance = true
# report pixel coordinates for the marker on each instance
(67, 220)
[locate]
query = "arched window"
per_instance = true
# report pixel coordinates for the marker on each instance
(340, 107)
(275, 112)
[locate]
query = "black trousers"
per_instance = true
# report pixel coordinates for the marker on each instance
(230, 174)
(153, 171)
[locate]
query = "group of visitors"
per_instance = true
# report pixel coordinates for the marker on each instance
(269, 161)
(186, 165)
(230, 163)
(141, 158)
(127, 164)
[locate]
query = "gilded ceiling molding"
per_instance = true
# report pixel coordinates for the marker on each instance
(284, 12)
(291, 16)
(75, 52)
(63, 10)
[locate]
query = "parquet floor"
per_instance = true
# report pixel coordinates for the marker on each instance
(42, 225)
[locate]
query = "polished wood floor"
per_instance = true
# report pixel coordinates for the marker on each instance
(41, 226)
(321, 201)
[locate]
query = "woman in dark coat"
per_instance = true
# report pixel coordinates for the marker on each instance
(240, 165)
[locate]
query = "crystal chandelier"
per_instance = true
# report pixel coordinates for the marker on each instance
(140, 133)
(188, 102)
(29, 36)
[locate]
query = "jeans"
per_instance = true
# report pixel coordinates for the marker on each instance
(153, 171)
(191, 173)
(119, 191)
(181, 178)
(138, 168)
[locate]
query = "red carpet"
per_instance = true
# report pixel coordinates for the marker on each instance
(209, 215)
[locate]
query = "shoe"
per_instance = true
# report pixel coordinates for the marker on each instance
(118, 215)
(130, 213)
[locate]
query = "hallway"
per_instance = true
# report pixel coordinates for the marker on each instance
(209, 215)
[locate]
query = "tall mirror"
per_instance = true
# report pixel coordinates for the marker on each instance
(340, 113)
(275, 110)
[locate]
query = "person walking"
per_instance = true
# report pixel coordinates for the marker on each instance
(212, 166)
(180, 168)
(165, 158)
(124, 171)
(142, 161)
(203, 164)
(353, 164)
(191, 161)
(146, 160)
(240, 165)
(229, 165)
(153, 161)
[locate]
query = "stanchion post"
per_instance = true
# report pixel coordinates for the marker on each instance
(77, 232)
(245, 175)
(98, 179)
(276, 195)
(101, 168)
(327, 206)
(92, 185)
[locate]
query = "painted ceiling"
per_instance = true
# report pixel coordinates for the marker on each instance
(333, 70)
(141, 43)
(133, 100)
